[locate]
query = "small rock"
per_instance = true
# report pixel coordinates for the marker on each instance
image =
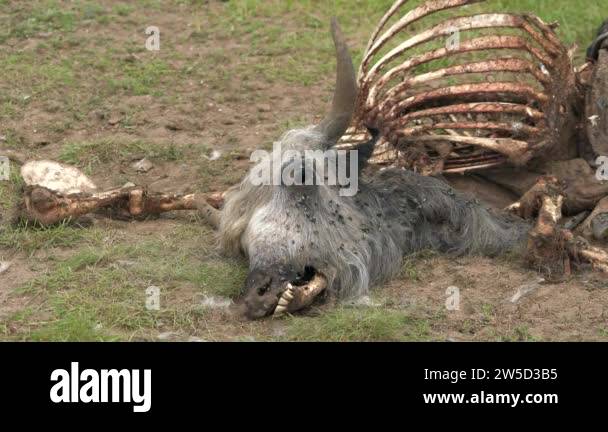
(143, 166)
(215, 155)
(4, 266)
(2, 138)
(128, 185)
(264, 108)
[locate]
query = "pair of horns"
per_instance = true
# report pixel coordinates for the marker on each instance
(337, 121)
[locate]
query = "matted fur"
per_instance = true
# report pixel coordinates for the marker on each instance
(359, 241)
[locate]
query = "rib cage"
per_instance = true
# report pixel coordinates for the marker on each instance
(501, 93)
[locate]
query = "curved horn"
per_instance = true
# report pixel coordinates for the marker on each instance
(345, 95)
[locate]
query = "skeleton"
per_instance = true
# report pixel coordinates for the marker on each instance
(509, 106)
(306, 242)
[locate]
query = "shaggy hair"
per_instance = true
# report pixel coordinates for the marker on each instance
(358, 241)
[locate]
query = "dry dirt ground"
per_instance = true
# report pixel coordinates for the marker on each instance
(78, 86)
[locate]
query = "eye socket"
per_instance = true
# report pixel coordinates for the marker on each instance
(263, 289)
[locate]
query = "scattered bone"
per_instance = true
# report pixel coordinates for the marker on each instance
(48, 207)
(63, 179)
(57, 192)
(530, 203)
(142, 166)
(524, 290)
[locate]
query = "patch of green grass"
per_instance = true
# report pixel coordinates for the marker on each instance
(44, 16)
(9, 190)
(209, 172)
(94, 153)
(98, 292)
(75, 325)
(123, 9)
(488, 311)
(520, 333)
(359, 324)
(141, 78)
(29, 239)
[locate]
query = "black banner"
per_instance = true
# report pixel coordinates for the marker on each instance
(203, 380)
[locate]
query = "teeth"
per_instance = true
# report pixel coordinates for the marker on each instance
(279, 310)
(288, 294)
(284, 301)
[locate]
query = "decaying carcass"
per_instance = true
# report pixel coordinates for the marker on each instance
(304, 239)
(515, 116)
(492, 102)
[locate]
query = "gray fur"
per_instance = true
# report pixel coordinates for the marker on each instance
(358, 242)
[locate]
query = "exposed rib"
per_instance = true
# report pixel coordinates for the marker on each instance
(479, 44)
(462, 24)
(467, 90)
(410, 17)
(514, 127)
(500, 65)
(517, 151)
(474, 108)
